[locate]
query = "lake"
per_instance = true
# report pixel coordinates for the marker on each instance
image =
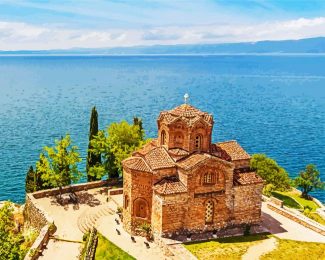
(270, 104)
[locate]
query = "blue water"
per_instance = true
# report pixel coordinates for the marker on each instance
(270, 104)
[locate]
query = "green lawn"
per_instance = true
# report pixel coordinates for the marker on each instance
(287, 200)
(107, 250)
(235, 247)
(293, 250)
(292, 199)
(224, 248)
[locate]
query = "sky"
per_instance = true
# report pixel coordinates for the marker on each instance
(43, 25)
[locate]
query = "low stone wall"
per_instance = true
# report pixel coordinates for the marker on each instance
(276, 201)
(36, 217)
(306, 223)
(39, 243)
(116, 192)
(71, 188)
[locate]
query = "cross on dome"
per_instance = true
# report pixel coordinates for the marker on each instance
(186, 97)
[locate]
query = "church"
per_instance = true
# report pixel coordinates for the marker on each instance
(182, 183)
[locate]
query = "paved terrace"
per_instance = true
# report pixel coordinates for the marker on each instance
(94, 209)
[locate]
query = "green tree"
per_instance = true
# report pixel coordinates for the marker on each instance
(270, 171)
(115, 144)
(30, 184)
(93, 159)
(138, 122)
(9, 241)
(309, 180)
(41, 165)
(60, 167)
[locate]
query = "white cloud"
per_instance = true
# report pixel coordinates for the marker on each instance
(17, 36)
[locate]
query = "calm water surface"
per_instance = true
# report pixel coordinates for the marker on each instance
(270, 104)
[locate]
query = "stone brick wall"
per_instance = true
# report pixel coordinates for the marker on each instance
(247, 204)
(137, 186)
(276, 201)
(34, 215)
(241, 163)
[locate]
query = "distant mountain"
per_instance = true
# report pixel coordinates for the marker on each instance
(311, 45)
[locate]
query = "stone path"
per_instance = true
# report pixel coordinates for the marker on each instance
(89, 218)
(181, 253)
(285, 228)
(255, 251)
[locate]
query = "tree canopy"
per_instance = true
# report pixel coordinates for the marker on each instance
(59, 166)
(9, 241)
(309, 180)
(115, 144)
(270, 171)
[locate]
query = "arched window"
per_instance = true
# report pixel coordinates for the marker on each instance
(140, 207)
(163, 137)
(209, 210)
(198, 142)
(126, 201)
(208, 178)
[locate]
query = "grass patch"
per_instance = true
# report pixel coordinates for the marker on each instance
(108, 250)
(224, 248)
(290, 249)
(287, 200)
(303, 202)
(316, 217)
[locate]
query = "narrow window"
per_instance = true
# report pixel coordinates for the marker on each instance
(163, 137)
(209, 209)
(208, 178)
(198, 142)
(126, 202)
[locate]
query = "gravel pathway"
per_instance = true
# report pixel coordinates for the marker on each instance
(254, 252)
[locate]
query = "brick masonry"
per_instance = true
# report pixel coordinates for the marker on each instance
(179, 198)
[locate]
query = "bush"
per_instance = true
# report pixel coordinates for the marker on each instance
(247, 230)
(268, 189)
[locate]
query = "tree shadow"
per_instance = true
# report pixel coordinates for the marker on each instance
(87, 198)
(83, 198)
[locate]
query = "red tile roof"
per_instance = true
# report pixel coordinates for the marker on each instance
(178, 153)
(247, 178)
(159, 158)
(234, 150)
(136, 163)
(192, 160)
(170, 186)
(187, 113)
(146, 148)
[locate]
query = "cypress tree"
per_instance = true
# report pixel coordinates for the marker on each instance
(92, 158)
(30, 185)
(138, 122)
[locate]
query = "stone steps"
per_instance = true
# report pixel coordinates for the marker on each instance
(88, 219)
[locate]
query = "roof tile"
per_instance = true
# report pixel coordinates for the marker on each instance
(247, 178)
(234, 150)
(159, 158)
(170, 185)
(136, 163)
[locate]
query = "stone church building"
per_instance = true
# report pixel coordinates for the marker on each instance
(181, 182)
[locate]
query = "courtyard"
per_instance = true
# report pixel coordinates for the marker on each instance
(96, 208)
